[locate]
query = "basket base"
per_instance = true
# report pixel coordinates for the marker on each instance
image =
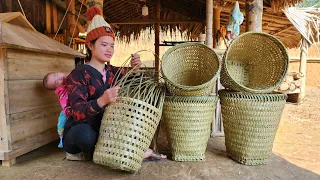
(189, 158)
(247, 161)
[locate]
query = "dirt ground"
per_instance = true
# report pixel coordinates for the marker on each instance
(296, 156)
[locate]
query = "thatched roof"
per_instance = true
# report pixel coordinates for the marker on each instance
(190, 16)
(306, 21)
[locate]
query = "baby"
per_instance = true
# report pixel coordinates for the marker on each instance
(56, 81)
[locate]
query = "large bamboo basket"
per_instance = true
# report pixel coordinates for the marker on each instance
(254, 62)
(190, 69)
(187, 121)
(129, 124)
(126, 131)
(250, 124)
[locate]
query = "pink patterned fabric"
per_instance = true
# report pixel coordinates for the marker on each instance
(62, 93)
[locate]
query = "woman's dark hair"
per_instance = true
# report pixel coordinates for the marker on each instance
(89, 53)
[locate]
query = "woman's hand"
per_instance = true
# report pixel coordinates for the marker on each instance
(135, 61)
(110, 95)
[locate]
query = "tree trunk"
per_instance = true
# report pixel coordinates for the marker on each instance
(254, 9)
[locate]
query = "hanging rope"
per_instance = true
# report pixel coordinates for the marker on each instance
(63, 19)
(22, 9)
(76, 23)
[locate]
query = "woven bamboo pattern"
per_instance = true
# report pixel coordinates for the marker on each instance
(187, 121)
(254, 62)
(250, 124)
(129, 124)
(190, 69)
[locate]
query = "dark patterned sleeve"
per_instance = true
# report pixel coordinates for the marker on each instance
(78, 91)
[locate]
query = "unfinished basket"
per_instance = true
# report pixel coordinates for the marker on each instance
(254, 62)
(250, 124)
(190, 69)
(129, 124)
(187, 121)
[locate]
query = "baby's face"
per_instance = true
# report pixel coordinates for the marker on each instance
(56, 79)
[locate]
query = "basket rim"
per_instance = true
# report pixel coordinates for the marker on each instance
(247, 88)
(206, 84)
(191, 98)
(225, 93)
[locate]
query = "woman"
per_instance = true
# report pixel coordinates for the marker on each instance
(90, 90)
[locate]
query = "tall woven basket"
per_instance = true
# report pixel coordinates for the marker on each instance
(254, 62)
(190, 69)
(129, 124)
(187, 121)
(250, 124)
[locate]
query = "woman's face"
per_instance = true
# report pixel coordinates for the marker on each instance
(103, 49)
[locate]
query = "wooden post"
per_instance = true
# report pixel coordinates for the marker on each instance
(48, 17)
(9, 5)
(254, 9)
(209, 17)
(216, 25)
(303, 69)
(55, 18)
(157, 36)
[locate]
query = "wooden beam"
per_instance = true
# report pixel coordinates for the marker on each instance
(152, 21)
(280, 30)
(209, 18)
(254, 9)
(48, 17)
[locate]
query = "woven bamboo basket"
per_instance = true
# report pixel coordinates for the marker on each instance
(250, 124)
(254, 62)
(129, 124)
(187, 121)
(190, 69)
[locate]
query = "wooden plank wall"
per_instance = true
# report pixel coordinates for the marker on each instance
(31, 110)
(35, 11)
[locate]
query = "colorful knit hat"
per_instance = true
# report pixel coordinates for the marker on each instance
(98, 26)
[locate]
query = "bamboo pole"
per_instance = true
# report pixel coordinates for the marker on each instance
(209, 17)
(157, 36)
(254, 9)
(216, 25)
(48, 17)
(303, 69)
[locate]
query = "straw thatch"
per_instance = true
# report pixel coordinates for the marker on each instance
(306, 21)
(124, 15)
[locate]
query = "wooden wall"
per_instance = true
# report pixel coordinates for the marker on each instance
(31, 111)
(35, 11)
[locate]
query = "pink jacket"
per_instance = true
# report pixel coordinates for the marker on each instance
(62, 93)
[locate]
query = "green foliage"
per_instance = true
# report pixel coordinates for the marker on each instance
(309, 3)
